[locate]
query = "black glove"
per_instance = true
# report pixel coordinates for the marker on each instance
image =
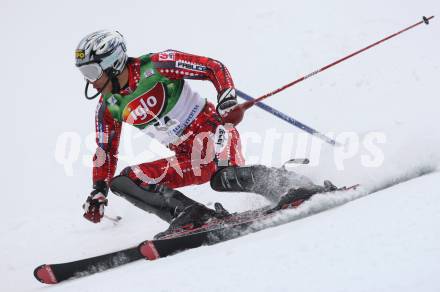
(226, 101)
(94, 205)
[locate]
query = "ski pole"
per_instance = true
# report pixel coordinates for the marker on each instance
(289, 119)
(113, 219)
(237, 113)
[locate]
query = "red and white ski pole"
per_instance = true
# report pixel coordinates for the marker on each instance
(236, 115)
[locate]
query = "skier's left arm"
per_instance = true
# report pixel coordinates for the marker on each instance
(178, 65)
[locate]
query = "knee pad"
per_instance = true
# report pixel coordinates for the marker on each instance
(238, 179)
(269, 182)
(128, 172)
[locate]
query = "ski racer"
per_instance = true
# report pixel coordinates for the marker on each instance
(151, 93)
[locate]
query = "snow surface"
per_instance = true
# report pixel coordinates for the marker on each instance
(389, 241)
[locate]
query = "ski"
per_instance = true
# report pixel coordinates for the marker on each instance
(56, 273)
(217, 230)
(236, 225)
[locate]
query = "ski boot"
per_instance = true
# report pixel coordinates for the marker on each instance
(295, 197)
(192, 217)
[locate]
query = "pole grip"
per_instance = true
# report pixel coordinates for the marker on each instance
(235, 116)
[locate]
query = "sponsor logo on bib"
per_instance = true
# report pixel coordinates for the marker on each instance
(146, 107)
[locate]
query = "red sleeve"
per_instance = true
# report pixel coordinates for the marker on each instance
(108, 132)
(178, 65)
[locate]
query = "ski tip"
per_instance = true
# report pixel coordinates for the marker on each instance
(45, 275)
(299, 161)
(353, 187)
(148, 250)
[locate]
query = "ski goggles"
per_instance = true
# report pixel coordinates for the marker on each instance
(91, 72)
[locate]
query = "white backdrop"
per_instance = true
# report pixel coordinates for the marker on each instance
(392, 88)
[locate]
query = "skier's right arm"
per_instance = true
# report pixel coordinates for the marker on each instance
(108, 132)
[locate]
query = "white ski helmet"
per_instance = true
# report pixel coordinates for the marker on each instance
(101, 51)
